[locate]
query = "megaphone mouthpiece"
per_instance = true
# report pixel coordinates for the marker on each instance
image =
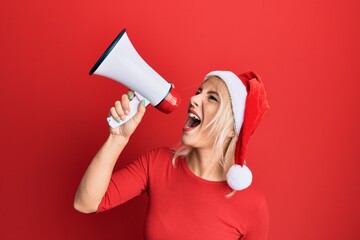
(170, 102)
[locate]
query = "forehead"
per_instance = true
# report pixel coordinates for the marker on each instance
(214, 84)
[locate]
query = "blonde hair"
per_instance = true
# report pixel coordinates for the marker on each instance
(219, 127)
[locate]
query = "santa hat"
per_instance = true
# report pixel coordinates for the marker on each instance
(248, 100)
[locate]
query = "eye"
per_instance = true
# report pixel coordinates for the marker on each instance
(213, 98)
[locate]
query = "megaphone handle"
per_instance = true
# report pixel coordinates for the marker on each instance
(133, 104)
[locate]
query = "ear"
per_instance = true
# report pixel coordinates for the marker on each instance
(231, 134)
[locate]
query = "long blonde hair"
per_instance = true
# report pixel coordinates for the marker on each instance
(220, 126)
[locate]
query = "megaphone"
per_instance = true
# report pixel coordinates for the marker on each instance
(122, 63)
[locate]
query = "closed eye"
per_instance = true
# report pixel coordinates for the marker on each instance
(213, 98)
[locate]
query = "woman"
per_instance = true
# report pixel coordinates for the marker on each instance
(200, 191)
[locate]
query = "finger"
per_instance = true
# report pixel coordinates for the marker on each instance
(140, 113)
(120, 110)
(131, 94)
(125, 104)
(114, 114)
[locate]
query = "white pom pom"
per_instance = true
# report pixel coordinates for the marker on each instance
(239, 178)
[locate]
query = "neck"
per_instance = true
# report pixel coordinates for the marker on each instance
(204, 164)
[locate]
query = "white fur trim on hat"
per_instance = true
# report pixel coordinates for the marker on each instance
(238, 95)
(239, 177)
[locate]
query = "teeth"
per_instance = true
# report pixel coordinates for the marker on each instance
(194, 116)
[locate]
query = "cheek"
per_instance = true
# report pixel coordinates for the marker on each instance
(211, 112)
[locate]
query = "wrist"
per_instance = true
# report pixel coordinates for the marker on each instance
(118, 139)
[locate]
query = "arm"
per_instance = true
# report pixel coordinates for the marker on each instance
(258, 227)
(96, 178)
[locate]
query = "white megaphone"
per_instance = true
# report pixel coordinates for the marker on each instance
(122, 63)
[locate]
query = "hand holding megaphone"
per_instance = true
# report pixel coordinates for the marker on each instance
(122, 63)
(125, 120)
(133, 108)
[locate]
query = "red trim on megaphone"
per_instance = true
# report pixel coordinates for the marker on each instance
(170, 102)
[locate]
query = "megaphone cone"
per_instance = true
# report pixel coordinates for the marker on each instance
(122, 63)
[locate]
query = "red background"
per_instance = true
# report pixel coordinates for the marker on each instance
(304, 155)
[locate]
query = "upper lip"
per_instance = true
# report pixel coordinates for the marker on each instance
(191, 110)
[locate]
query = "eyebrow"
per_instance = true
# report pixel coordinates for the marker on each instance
(209, 92)
(213, 92)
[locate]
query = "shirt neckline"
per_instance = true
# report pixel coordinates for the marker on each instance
(192, 175)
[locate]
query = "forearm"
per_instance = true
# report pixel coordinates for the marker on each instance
(97, 177)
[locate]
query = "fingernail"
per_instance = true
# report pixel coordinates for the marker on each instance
(127, 112)
(130, 95)
(118, 120)
(123, 118)
(143, 102)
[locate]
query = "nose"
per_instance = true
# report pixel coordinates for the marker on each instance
(195, 100)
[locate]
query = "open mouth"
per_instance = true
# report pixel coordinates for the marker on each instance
(192, 121)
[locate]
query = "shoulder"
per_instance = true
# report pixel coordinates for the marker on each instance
(157, 156)
(254, 193)
(161, 152)
(251, 199)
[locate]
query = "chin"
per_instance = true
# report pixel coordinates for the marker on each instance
(186, 140)
(183, 140)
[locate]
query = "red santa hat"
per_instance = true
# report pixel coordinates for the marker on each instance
(248, 100)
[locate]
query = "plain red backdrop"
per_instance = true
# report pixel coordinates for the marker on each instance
(304, 155)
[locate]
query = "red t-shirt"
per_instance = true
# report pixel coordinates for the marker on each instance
(184, 206)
